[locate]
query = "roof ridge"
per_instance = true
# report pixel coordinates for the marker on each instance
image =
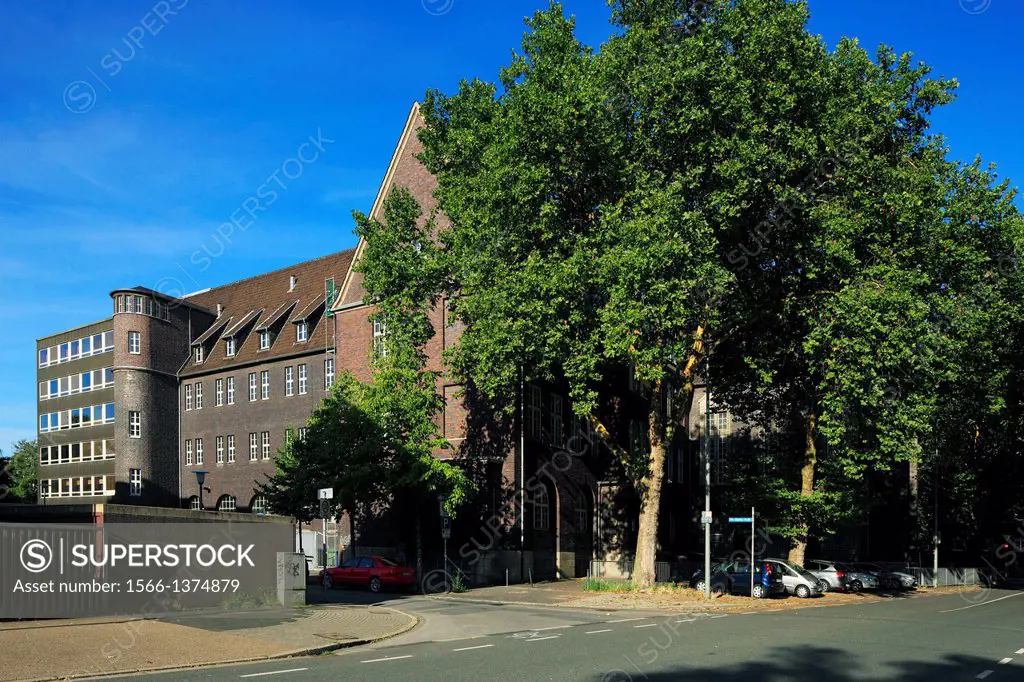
(271, 272)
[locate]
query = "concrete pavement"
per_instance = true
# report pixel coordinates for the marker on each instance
(939, 638)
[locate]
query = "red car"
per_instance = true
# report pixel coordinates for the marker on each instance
(373, 571)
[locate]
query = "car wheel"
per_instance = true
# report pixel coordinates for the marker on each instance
(758, 592)
(823, 586)
(802, 591)
(374, 584)
(328, 583)
(699, 586)
(856, 586)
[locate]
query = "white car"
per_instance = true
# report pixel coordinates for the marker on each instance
(840, 576)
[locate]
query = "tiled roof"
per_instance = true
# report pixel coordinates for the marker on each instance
(238, 326)
(271, 292)
(309, 309)
(270, 320)
(214, 330)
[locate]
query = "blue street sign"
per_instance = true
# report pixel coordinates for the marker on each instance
(740, 519)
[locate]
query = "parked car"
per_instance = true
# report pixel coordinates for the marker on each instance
(797, 580)
(733, 577)
(887, 577)
(374, 572)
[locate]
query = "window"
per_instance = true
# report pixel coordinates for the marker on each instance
(265, 384)
(289, 380)
(138, 303)
(266, 445)
(75, 349)
(556, 420)
(258, 505)
(718, 446)
(229, 345)
(199, 450)
(302, 379)
(220, 449)
(253, 447)
(231, 448)
(226, 504)
(252, 386)
(199, 395)
(193, 502)
(380, 333)
(219, 390)
(265, 339)
(328, 373)
(188, 397)
(134, 343)
(135, 482)
(86, 346)
(303, 430)
(231, 390)
(199, 354)
(44, 357)
(188, 452)
(63, 352)
(541, 509)
(134, 424)
(301, 332)
(534, 401)
(108, 341)
(582, 519)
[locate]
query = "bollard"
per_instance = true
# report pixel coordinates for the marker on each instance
(506, 577)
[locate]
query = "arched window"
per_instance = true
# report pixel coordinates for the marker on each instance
(541, 509)
(193, 502)
(258, 505)
(226, 503)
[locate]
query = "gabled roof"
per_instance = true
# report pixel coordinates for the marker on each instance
(214, 330)
(270, 320)
(238, 326)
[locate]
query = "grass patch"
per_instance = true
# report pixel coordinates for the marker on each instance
(598, 585)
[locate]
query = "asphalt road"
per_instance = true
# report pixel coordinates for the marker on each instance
(926, 638)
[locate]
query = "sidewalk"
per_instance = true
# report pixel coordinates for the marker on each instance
(58, 650)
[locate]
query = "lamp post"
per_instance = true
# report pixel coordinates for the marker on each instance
(200, 479)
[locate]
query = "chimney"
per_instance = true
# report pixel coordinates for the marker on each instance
(220, 309)
(291, 283)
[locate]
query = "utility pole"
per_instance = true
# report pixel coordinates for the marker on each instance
(935, 523)
(707, 479)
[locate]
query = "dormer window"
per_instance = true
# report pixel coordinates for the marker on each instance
(265, 339)
(301, 331)
(199, 354)
(230, 346)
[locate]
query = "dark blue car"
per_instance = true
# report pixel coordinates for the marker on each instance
(733, 577)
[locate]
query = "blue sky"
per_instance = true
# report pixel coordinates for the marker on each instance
(118, 162)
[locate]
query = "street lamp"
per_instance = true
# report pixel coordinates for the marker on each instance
(200, 479)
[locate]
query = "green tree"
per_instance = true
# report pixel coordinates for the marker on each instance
(20, 479)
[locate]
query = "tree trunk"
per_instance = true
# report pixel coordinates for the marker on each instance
(799, 550)
(650, 493)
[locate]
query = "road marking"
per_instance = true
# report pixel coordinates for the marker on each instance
(470, 648)
(594, 632)
(990, 601)
(553, 627)
(1004, 661)
(983, 675)
(389, 658)
(624, 620)
(541, 639)
(275, 672)
(722, 615)
(1019, 651)
(688, 620)
(648, 625)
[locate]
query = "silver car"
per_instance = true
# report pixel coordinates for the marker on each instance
(798, 581)
(841, 576)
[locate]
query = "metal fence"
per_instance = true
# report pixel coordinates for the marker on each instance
(948, 577)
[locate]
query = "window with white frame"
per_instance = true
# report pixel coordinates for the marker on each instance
(229, 346)
(303, 383)
(380, 334)
(193, 502)
(252, 387)
(199, 450)
(188, 397)
(220, 449)
(718, 445)
(199, 355)
(134, 343)
(534, 410)
(541, 509)
(134, 424)
(253, 447)
(265, 339)
(556, 420)
(135, 482)
(231, 390)
(289, 380)
(219, 390)
(188, 452)
(199, 395)
(266, 445)
(265, 384)
(303, 430)
(231, 448)
(301, 331)
(328, 373)
(259, 505)
(226, 504)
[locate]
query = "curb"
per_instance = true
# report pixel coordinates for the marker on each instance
(414, 621)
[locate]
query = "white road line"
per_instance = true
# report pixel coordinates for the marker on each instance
(687, 620)
(389, 658)
(594, 632)
(275, 672)
(1004, 661)
(470, 648)
(721, 615)
(1019, 651)
(624, 620)
(541, 639)
(648, 625)
(990, 601)
(983, 675)
(553, 627)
